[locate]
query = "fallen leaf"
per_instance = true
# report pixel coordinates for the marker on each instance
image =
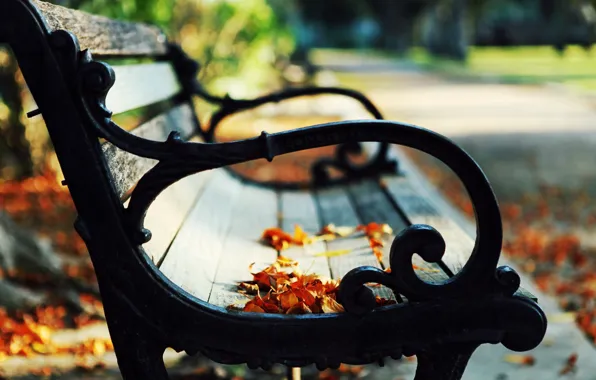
(329, 305)
(570, 365)
(527, 360)
(299, 308)
(335, 253)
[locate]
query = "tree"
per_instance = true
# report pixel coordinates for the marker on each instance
(444, 31)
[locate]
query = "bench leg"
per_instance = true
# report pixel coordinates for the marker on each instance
(444, 363)
(139, 356)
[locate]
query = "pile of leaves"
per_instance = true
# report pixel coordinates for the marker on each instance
(30, 334)
(287, 290)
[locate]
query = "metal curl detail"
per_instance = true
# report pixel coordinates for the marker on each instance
(421, 239)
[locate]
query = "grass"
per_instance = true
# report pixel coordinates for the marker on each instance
(528, 65)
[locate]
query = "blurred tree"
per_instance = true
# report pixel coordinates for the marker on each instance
(444, 31)
(397, 20)
(15, 156)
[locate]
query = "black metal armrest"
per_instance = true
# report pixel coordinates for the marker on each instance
(230, 106)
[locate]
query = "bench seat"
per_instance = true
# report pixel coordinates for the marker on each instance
(229, 215)
(171, 231)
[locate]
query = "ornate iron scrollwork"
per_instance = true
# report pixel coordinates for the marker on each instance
(178, 159)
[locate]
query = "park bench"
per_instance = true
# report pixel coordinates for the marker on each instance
(171, 231)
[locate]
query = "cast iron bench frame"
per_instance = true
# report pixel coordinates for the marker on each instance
(442, 323)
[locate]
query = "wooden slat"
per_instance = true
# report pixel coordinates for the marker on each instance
(336, 208)
(299, 207)
(140, 85)
(127, 168)
(256, 211)
(192, 260)
(105, 36)
(373, 205)
(169, 210)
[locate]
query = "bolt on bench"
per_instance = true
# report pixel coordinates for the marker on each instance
(171, 232)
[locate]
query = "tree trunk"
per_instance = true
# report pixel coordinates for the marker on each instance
(15, 155)
(445, 32)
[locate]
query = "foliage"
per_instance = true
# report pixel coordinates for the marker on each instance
(238, 42)
(530, 65)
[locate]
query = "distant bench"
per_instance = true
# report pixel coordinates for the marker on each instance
(170, 238)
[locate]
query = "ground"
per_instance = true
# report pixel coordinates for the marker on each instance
(536, 145)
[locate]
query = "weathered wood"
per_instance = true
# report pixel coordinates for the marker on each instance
(169, 210)
(299, 208)
(103, 36)
(140, 85)
(191, 262)
(256, 211)
(373, 205)
(126, 168)
(336, 208)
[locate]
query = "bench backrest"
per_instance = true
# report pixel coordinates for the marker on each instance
(150, 88)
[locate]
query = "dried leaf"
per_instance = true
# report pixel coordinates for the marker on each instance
(335, 253)
(527, 360)
(341, 231)
(288, 299)
(285, 262)
(570, 365)
(253, 308)
(300, 237)
(249, 288)
(384, 301)
(329, 305)
(277, 238)
(299, 308)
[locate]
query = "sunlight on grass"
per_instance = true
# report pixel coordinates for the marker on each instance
(541, 64)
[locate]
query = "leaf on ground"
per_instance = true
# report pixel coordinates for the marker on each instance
(570, 365)
(527, 360)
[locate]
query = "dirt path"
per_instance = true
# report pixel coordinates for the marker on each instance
(528, 139)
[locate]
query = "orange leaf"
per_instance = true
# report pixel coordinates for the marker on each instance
(277, 238)
(253, 308)
(300, 237)
(288, 300)
(249, 288)
(384, 301)
(286, 262)
(329, 305)
(528, 360)
(570, 365)
(299, 308)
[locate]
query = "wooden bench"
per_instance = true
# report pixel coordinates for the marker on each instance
(171, 232)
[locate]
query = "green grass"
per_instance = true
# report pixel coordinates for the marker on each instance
(576, 68)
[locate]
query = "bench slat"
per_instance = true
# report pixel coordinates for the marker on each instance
(105, 37)
(299, 207)
(336, 208)
(192, 260)
(256, 211)
(127, 168)
(140, 85)
(168, 212)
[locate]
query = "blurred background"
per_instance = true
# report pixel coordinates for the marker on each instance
(511, 81)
